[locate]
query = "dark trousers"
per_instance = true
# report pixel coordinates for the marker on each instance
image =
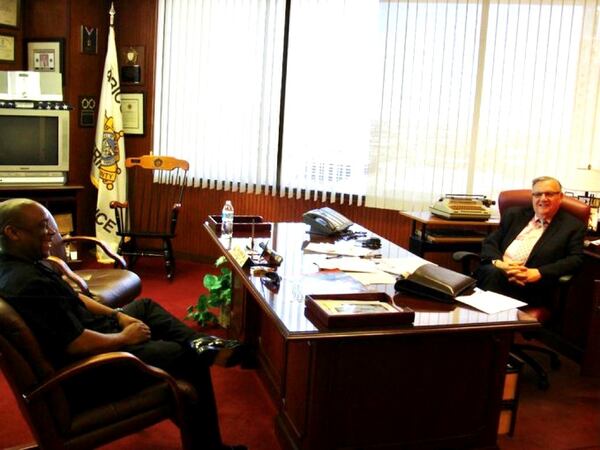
(490, 278)
(168, 349)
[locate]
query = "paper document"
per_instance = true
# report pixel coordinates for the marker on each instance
(347, 264)
(373, 277)
(401, 266)
(490, 302)
(343, 248)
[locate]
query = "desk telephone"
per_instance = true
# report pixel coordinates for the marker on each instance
(462, 206)
(326, 221)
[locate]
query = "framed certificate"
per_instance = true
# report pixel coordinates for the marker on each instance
(7, 48)
(132, 107)
(9, 13)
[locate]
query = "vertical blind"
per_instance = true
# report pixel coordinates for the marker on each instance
(397, 102)
(218, 79)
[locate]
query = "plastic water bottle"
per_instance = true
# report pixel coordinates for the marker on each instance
(227, 220)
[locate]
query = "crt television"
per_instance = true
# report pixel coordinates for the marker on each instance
(34, 146)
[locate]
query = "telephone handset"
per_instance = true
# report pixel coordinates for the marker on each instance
(326, 221)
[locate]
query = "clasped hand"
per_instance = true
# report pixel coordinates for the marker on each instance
(134, 330)
(518, 273)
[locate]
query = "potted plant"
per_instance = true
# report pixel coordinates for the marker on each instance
(218, 296)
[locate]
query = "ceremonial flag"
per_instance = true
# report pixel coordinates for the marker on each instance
(108, 162)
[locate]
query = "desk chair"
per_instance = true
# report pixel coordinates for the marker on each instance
(155, 187)
(110, 286)
(50, 414)
(549, 313)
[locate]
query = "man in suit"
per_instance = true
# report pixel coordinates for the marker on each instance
(533, 247)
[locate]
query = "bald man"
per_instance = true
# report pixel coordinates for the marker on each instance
(70, 326)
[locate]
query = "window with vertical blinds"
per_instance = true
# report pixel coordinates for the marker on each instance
(396, 102)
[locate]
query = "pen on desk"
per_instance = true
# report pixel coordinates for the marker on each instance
(334, 256)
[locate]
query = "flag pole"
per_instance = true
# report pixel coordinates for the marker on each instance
(108, 172)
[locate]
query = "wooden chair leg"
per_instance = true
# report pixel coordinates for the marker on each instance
(169, 258)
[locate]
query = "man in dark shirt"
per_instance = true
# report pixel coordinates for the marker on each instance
(533, 247)
(69, 326)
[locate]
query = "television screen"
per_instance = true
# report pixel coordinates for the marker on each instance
(29, 141)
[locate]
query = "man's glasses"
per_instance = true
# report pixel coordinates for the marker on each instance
(549, 194)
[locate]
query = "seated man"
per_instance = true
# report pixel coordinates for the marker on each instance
(69, 326)
(533, 247)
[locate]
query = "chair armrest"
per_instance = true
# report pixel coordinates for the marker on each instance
(115, 204)
(65, 270)
(468, 260)
(460, 256)
(119, 260)
(93, 362)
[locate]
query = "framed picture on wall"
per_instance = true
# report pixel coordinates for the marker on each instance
(9, 13)
(132, 107)
(7, 48)
(46, 55)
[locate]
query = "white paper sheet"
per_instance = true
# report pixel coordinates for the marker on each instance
(373, 277)
(401, 266)
(344, 248)
(490, 302)
(347, 264)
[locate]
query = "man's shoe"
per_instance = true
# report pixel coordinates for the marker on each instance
(223, 352)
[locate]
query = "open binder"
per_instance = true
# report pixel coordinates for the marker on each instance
(436, 282)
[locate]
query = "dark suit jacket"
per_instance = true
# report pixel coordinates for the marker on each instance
(558, 252)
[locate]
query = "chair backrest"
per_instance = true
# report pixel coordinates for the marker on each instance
(25, 367)
(155, 186)
(522, 198)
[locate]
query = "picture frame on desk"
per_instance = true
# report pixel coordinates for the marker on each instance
(10, 13)
(594, 203)
(355, 310)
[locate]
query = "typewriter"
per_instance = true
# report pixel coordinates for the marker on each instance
(462, 206)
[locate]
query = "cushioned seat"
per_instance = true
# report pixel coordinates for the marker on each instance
(110, 286)
(59, 421)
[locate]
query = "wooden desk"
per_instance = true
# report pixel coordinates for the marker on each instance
(435, 384)
(422, 239)
(579, 327)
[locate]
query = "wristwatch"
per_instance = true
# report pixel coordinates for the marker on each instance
(115, 312)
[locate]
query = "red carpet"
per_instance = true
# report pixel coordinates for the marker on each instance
(566, 417)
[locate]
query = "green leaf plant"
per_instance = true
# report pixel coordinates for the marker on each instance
(218, 296)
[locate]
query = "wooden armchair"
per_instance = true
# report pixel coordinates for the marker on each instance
(54, 421)
(110, 286)
(155, 189)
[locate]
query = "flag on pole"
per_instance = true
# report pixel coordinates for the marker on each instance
(108, 162)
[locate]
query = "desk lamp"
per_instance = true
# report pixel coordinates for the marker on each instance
(585, 179)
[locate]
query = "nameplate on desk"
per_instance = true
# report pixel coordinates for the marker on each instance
(240, 255)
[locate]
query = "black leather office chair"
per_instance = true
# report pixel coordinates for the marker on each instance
(549, 313)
